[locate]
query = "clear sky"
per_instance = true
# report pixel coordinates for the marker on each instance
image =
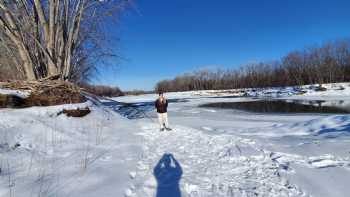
(160, 39)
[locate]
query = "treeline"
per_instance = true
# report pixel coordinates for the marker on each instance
(101, 90)
(137, 92)
(329, 63)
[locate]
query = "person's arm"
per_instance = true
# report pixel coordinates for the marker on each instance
(157, 169)
(156, 104)
(177, 167)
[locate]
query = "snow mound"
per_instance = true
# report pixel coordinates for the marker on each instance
(328, 126)
(336, 125)
(43, 154)
(18, 93)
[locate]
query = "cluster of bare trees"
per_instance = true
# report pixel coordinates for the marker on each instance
(45, 38)
(101, 90)
(317, 65)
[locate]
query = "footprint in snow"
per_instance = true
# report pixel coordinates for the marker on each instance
(106, 158)
(132, 175)
(207, 128)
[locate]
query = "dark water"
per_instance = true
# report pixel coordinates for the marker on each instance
(135, 110)
(280, 106)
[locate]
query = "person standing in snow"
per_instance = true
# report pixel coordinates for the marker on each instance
(161, 105)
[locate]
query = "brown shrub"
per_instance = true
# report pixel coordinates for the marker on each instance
(45, 93)
(76, 112)
(11, 101)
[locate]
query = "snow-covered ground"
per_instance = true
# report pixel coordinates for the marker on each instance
(43, 154)
(117, 150)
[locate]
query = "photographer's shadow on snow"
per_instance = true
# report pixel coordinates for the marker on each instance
(168, 173)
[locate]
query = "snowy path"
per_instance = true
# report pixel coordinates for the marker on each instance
(220, 165)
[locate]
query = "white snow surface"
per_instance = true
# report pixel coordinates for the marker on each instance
(116, 150)
(19, 93)
(64, 156)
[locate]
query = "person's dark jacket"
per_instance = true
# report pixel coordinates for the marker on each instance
(161, 106)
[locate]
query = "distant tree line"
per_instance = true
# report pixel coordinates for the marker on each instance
(101, 90)
(138, 92)
(328, 63)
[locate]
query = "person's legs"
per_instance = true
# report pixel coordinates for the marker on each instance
(165, 120)
(160, 120)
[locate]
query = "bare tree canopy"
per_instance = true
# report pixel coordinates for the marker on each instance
(55, 37)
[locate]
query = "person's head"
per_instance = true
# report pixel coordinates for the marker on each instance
(161, 96)
(167, 160)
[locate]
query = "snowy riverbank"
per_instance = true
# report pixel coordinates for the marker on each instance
(114, 150)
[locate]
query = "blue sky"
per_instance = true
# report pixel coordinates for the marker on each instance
(160, 39)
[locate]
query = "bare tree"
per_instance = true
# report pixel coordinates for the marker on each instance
(9, 68)
(53, 37)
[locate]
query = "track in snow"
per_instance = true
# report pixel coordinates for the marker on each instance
(212, 165)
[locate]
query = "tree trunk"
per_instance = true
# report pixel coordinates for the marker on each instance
(27, 64)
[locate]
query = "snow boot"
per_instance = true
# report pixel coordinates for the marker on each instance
(162, 129)
(168, 129)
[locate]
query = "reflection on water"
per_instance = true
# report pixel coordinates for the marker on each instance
(284, 106)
